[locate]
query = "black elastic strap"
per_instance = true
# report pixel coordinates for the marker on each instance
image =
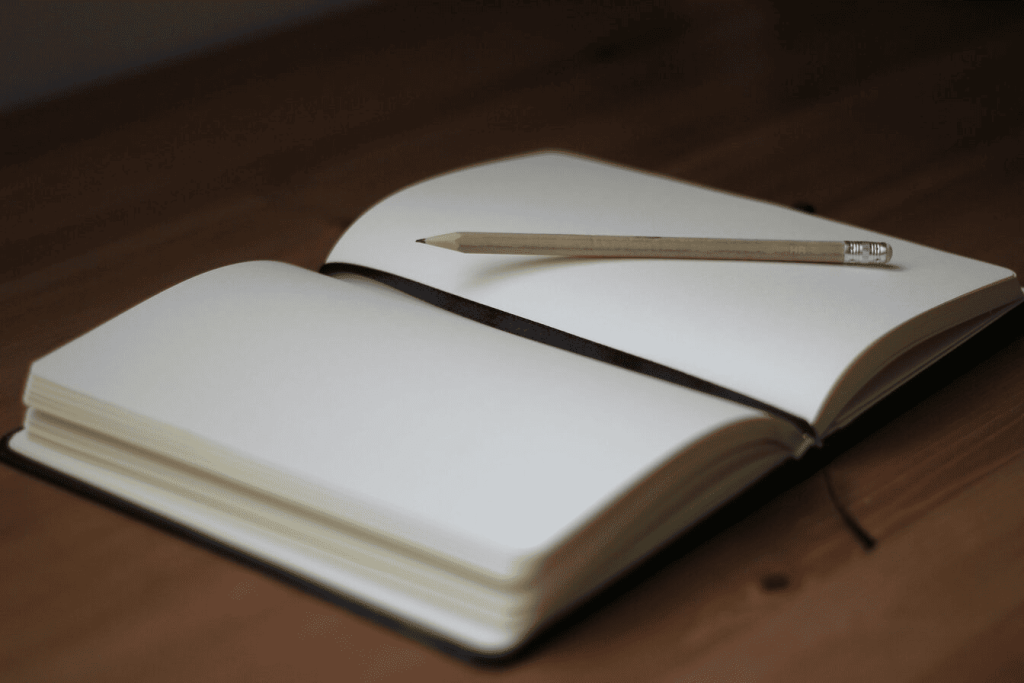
(544, 334)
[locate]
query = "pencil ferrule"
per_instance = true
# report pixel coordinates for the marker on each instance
(866, 252)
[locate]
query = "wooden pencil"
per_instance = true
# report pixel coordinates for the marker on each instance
(609, 246)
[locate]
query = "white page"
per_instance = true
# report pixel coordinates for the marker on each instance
(244, 535)
(779, 332)
(399, 417)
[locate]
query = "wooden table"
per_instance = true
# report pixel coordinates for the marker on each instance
(908, 119)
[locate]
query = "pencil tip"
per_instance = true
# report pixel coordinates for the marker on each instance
(449, 241)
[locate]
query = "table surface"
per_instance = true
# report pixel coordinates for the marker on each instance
(902, 118)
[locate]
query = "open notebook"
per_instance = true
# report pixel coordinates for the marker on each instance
(476, 480)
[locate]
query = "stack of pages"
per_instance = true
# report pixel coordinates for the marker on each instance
(475, 470)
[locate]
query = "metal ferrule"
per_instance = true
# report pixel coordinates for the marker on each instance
(866, 252)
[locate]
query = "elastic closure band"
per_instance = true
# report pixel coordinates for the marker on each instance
(513, 324)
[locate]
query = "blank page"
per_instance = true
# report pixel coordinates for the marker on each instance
(408, 421)
(783, 333)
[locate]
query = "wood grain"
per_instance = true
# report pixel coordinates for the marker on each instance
(904, 118)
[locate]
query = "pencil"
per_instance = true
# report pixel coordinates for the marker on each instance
(608, 246)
